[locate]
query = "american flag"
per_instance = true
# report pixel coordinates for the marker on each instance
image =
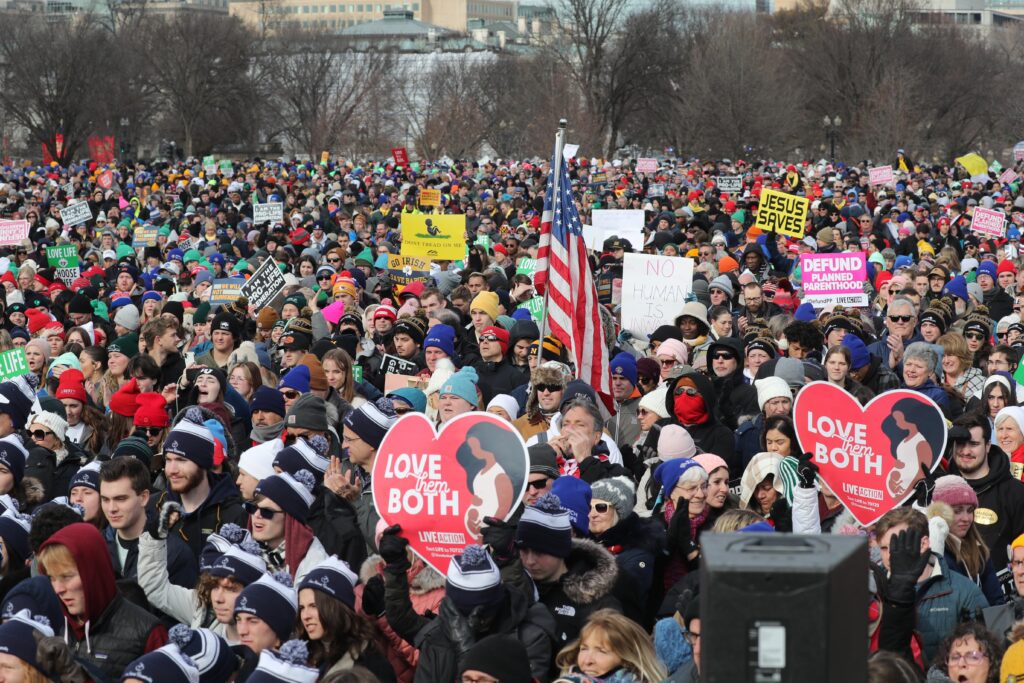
(564, 272)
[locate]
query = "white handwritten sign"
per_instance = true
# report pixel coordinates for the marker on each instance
(654, 290)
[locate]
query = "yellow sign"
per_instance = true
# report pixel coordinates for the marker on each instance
(783, 213)
(325, 157)
(435, 238)
(974, 163)
(430, 197)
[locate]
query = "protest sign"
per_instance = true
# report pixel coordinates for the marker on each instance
(435, 238)
(869, 456)
(881, 175)
(729, 183)
(325, 157)
(265, 284)
(226, 167)
(624, 224)
(430, 197)
(646, 165)
(64, 261)
(569, 151)
(76, 213)
(268, 213)
(782, 213)
(527, 267)
(105, 180)
(535, 306)
(145, 236)
(401, 156)
(598, 178)
(440, 486)
(404, 270)
(398, 366)
(654, 289)
(209, 165)
(357, 373)
(988, 222)
(1018, 151)
(13, 233)
(225, 291)
(69, 189)
(483, 241)
(1008, 176)
(592, 237)
(833, 279)
(656, 190)
(13, 364)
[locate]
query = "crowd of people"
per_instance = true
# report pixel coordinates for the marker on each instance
(187, 487)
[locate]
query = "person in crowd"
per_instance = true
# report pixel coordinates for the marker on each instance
(612, 647)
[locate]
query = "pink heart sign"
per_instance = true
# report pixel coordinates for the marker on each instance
(870, 456)
(440, 486)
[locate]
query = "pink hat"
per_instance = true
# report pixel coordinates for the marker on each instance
(710, 462)
(954, 490)
(676, 349)
(675, 442)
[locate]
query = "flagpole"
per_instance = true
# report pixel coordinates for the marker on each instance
(555, 189)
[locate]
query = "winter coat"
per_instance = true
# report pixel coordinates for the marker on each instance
(335, 523)
(710, 436)
(945, 599)
(586, 587)
(182, 569)
(637, 544)
(624, 426)
(987, 580)
(497, 378)
(880, 377)
(55, 477)
(1000, 514)
(222, 505)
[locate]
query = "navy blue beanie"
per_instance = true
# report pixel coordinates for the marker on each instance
(859, 355)
(268, 400)
(440, 337)
(624, 364)
(36, 595)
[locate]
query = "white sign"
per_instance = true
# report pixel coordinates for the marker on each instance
(729, 183)
(625, 224)
(76, 213)
(69, 189)
(13, 233)
(881, 175)
(656, 190)
(569, 151)
(646, 165)
(592, 237)
(262, 213)
(654, 289)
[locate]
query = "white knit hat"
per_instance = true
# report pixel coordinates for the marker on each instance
(654, 401)
(258, 461)
(771, 387)
(52, 421)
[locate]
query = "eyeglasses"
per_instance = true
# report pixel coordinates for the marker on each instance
(723, 356)
(265, 513)
(1017, 563)
(478, 679)
(149, 431)
(691, 637)
(538, 484)
(40, 434)
(901, 318)
(290, 393)
(600, 507)
(976, 336)
(350, 439)
(971, 658)
(551, 388)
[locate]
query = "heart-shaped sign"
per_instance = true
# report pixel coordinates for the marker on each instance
(870, 456)
(440, 486)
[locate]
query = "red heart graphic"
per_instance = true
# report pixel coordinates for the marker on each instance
(869, 456)
(439, 487)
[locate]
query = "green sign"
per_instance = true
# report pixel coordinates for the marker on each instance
(13, 364)
(527, 267)
(483, 241)
(209, 165)
(357, 373)
(536, 308)
(64, 260)
(226, 167)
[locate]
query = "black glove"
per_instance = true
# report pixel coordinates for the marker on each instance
(807, 470)
(373, 596)
(501, 537)
(159, 525)
(781, 515)
(680, 536)
(906, 562)
(632, 461)
(55, 659)
(924, 488)
(393, 549)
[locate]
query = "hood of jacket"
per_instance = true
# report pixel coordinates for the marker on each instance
(704, 387)
(998, 470)
(86, 545)
(592, 572)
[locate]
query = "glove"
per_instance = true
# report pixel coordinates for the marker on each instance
(807, 470)
(924, 488)
(393, 550)
(55, 659)
(501, 537)
(906, 562)
(680, 539)
(159, 525)
(373, 597)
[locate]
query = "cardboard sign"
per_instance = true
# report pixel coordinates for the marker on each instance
(654, 289)
(1018, 151)
(536, 308)
(646, 165)
(656, 190)
(1008, 176)
(13, 233)
(13, 364)
(834, 279)
(145, 236)
(869, 456)
(729, 183)
(264, 285)
(404, 270)
(782, 213)
(64, 260)
(393, 381)
(268, 213)
(435, 238)
(440, 486)
(430, 197)
(401, 156)
(76, 213)
(881, 175)
(988, 222)
(399, 366)
(627, 224)
(224, 291)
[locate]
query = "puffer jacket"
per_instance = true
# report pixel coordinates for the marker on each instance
(638, 545)
(587, 587)
(943, 600)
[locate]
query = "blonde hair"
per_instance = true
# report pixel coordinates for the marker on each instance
(733, 520)
(56, 559)
(627, 641)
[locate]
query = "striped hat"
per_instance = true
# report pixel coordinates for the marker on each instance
(191, 440)
(372, 420)
(305, 454)
(545, 527)
(293, 493)
(272, 599)
(473, 580)
(333, 577)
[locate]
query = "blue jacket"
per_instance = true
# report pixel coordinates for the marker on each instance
(944, 600)
(934, 392)
(880, 348)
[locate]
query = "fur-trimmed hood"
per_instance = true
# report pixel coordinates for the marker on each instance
(34, 493)
(592, 572)
(542, 374)
(424, 580)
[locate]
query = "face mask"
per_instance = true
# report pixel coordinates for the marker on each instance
(690, 409)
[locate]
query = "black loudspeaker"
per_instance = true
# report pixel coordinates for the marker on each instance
(783, 608)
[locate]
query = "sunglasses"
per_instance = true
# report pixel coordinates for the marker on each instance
(667, 362)
(488, 338)
(600, 507)
(334, 260)
(723, 356)
(265, 513)
(149, 431)
(551, 388)
(976, 336)
(538, 484)
(39, 434)
(290, 393)
(901, 318)
(325, 276)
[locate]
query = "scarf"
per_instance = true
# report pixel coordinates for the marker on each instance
(265, 434)
(694, 343)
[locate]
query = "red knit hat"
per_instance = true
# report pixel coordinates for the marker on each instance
(37, 319)
(124, 402)
(151, 410)
(501, 333)
(882, 277)
(1006, 266)
(72, 385)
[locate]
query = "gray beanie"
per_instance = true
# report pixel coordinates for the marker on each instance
(723, 283)
(127, 316)
(618, 491)
(308, 412)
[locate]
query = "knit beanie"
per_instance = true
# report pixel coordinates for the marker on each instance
(545, 527)
(225, 322)
(507, 403)
(267, 400)
(619, 491)
(14, 402)
(208, 651)
(624, 364)
(669, 473)
(288, 665)
(125, 400)
(710, 462)
(272, 599)
(317, 376)
(648, 369)
(36, 595)
(13, 456)
(575, 496)
(308, 412)
(267, 317)
(500, 656)
(675, 349)
(151, 410)
(258, 461)
(87, 476)
(305, 454)
(412, 327)
(769, 388)
(333, 577)
(52, 421)
(486, 302)
(499, 333)
(543, 460)
(80, 304)
(413, 397)
(859, 354)
(441, 337)
(163, 665)
(297, 379)
(72, 386)
(190, 439)
(293, 493)
(473, 580)
(372, 420)
(14, 529)
(134, 447)
(723, 283)
(128, 345)
(954, 490)
(654, 401)
(243, 561)
(127, 317)
(462, 384)
(675, 442)
(17, 635)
